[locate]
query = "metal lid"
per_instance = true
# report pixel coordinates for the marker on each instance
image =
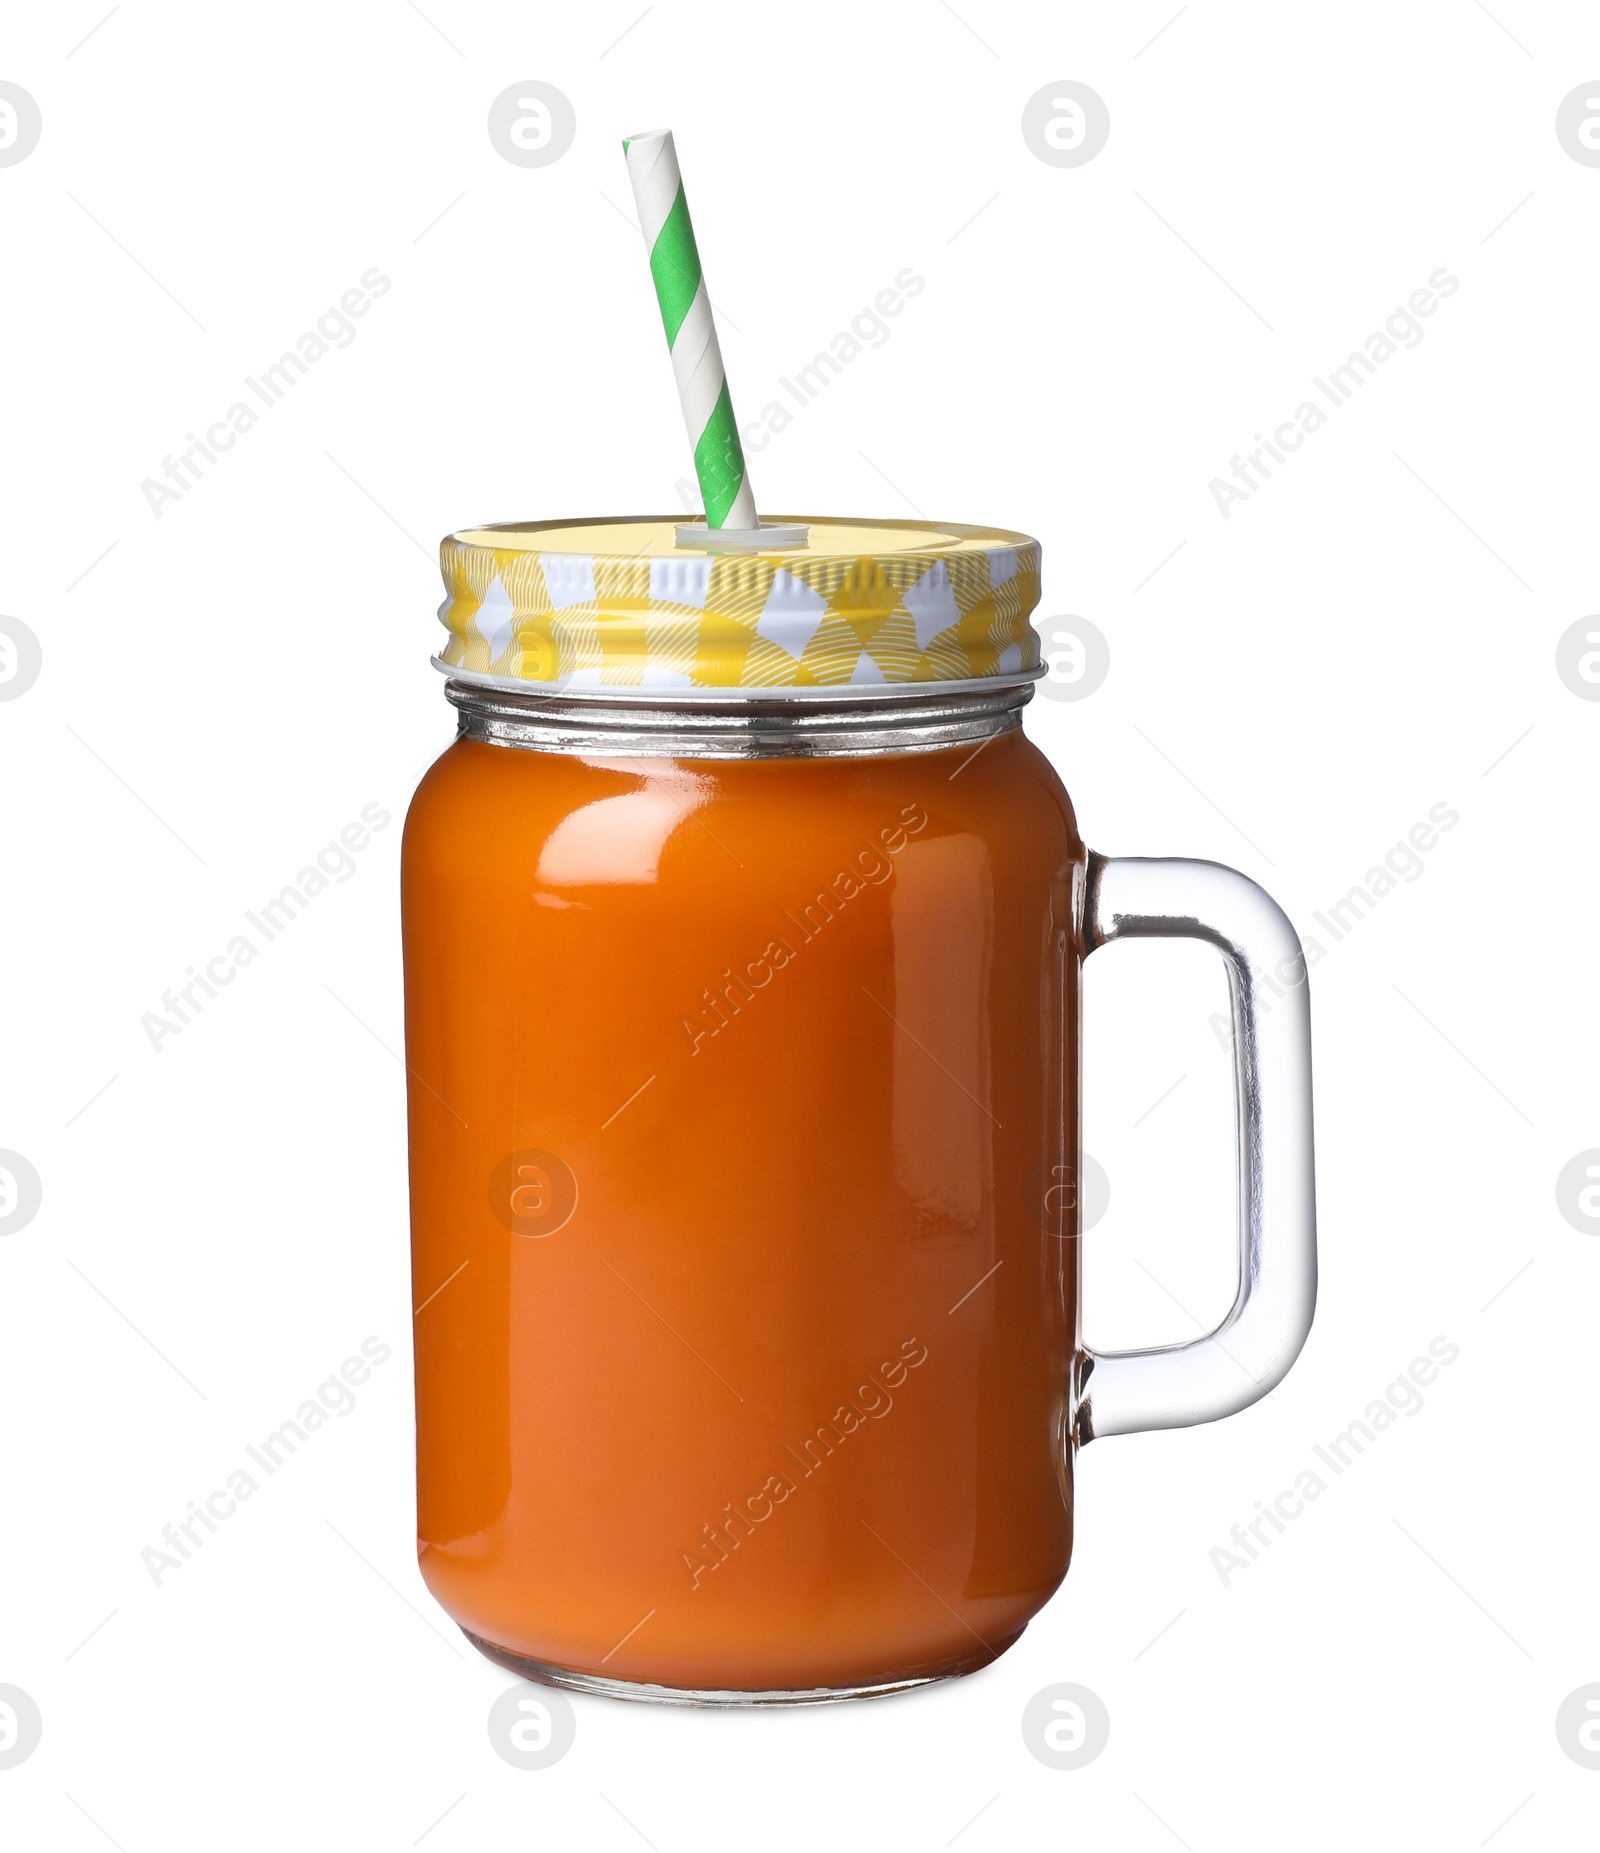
(608, 605)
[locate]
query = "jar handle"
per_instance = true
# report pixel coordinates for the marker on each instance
(1172, 1386)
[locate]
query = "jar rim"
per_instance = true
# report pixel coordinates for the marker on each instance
(657, 696)
(936, 716)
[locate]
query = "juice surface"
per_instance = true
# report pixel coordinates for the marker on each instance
(737, 1090)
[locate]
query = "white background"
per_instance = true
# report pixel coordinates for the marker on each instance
(1362, 639)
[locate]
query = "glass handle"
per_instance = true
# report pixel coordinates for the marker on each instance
(1172, 1386)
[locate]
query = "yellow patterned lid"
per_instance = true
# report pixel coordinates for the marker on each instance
(608, 605)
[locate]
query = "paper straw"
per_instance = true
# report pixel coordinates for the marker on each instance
(691, 333)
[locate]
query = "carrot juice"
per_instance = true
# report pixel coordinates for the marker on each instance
(760, 1384)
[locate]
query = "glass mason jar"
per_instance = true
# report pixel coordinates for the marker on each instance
(743, 931)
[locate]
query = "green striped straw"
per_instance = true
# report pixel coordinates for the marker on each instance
(691, 332)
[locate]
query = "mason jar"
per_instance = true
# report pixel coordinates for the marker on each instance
(743, 936)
